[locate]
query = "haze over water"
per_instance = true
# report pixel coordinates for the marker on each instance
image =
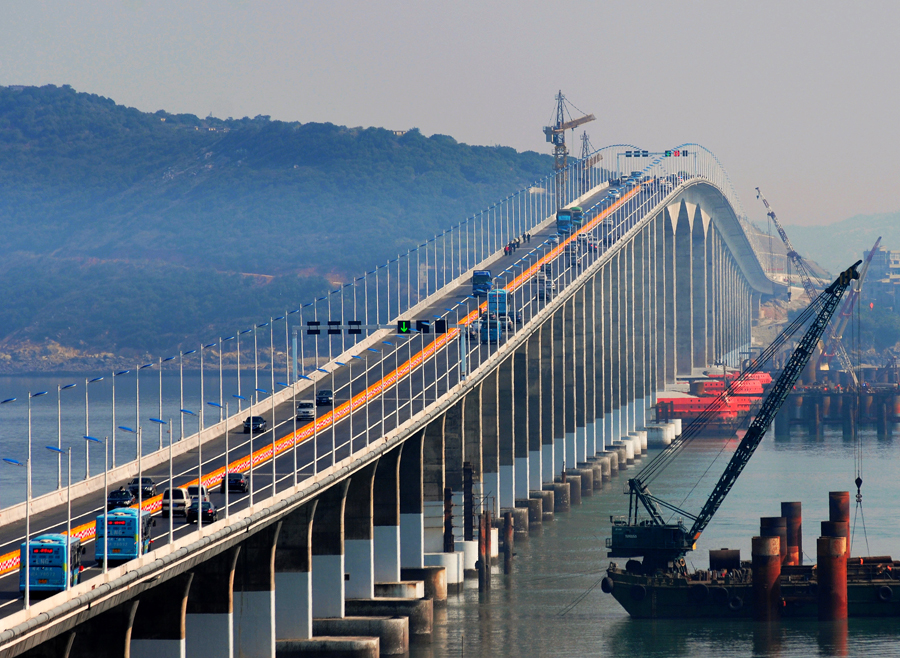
(552, 604)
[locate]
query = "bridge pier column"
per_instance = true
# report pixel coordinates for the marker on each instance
(108, 635)
(158, 629)
(534, 408)
(328, 563)
(599, 382)
(711, 299)
(254, 594)
(548, 402)
(520, 424)
(590, 365)
(559, 389)
(433, 485)
(698, 283)
(209, 618)
(651, 324)
(607, 351)
(293, 575)
(626, 315)
(472, 447)
(359, 545)
(490, 442)
(506, 430)
(639, 330)
(615, 344)
(579, 358)
(386, 517)
(683, 292)
(666, 291)
(412, 520)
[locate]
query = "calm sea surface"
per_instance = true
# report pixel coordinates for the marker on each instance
(552, 605)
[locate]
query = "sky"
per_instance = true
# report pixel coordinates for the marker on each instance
(796, 97)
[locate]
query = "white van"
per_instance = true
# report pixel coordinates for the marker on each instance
(306, 410)
(178, 503)
(193, 491)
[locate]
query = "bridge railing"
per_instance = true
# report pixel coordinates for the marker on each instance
(380, 296)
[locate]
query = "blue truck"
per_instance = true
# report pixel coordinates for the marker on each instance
(482, 282)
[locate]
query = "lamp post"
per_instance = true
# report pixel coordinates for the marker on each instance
(139, 452)
(188, 412)
(161, 422)
(202, 391)
(258, 391)
(227, 462)
(27, 564)
(221, 399)
(365, 405)
(87, 429)
(105, 442)
(59, 390)
(137, 393)
(238, 396)
(68, 453)
(161, 361)
(181, 356)
(294, 434)
(112, 378)
(250, 471)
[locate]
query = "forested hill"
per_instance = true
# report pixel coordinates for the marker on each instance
(130, 231)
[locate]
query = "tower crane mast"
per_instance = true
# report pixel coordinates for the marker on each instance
(556, 135)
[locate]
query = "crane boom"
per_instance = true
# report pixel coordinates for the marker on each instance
(664, 545)
(808, 286)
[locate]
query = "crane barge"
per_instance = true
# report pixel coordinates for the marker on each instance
(655, 581)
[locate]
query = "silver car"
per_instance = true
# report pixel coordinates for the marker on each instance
(306, 410)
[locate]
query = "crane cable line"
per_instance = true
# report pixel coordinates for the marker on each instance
(857, 448)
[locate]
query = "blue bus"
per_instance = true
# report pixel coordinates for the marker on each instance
(482, 282)
(54, 563)
(496, 302)
(577, 218)
(125, 540)
(563, 221)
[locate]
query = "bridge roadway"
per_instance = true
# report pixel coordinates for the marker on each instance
(400, 402)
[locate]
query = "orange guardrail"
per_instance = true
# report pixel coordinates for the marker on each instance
(87, 531)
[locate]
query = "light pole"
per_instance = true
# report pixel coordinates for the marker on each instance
(227, 462)
(139, 451)
(105, 442)
(202, 391)
(59, 390)
(181, 356)
(87, 429)
(258, 391)
(27, 564)
(137, 393)
(68, 453)
(188, 412)
(161, 422)
(250, 472)
(162, 361)
(221, 399)
(112, 378)
(365, 402)
(294, 415)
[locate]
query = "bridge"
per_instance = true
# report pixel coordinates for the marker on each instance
(343, 530)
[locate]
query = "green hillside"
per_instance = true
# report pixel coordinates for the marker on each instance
(129, 231)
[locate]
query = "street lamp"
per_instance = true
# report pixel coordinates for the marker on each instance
(257, 391)
(59, 390)
(27, 564)
(365, 402)
(202, 391)
(162, 361)
(137, 393)
(139, 451)
(188, 412)
(112, 378)
(161, 422)
(294, 435)
(68, 453)
(181, 356)
(105, 442)
(87, 430)
(227, 458)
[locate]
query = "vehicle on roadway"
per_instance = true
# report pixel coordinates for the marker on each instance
(256, 423)
(495, 330)
(121, 497)
(148, 487)
(306, 410)
(194, 491)
(546, 290)
(482, 282)
(577, 218)
(125, 539)
(235, 482)
(177, 504)
(564, 221)
(324, 396)
(54, 562)
(210, 513)
(553, 240)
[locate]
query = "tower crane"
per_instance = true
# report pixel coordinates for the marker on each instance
(806, 280)
(662, 544)
(846, 312)
(556, 135)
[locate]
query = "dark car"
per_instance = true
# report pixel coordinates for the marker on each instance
(235, 482)
(210, 514)
(148, 486)
(120, 498)
(257, 423)
(325, 396)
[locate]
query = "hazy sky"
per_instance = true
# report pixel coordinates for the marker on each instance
(799, 98)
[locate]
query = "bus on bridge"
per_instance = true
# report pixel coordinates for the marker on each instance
(54, 562)
(564, 221)
(125, 541)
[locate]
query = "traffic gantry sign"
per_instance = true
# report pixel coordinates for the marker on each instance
(423, 326)
(676, 154)
(313, 328)
(440, 326)
(404, 327)
(355, 327)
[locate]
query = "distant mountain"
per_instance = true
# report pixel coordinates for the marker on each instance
(131, 231)
(839, 245)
